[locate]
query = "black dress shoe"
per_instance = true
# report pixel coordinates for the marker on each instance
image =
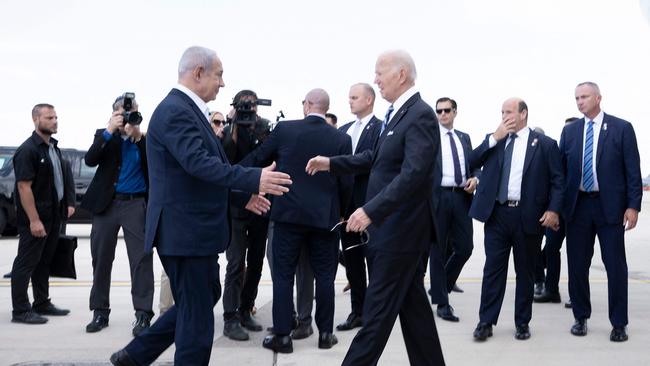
(568, 304)
(121, 358)
(522, 332)
(327, 340)
(353, 321)
(98, 323)
(28, 317)
(483, 331)
(249, 322)
(446, 312)
(233, 330)
(303, 331)
(142, 322)
(548, 296)
(50, 309)
(280, 344)
(619, 334)
(457, 289)
(539, 288)
(579, 328)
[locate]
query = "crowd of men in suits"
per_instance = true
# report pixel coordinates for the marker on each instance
(397, 193)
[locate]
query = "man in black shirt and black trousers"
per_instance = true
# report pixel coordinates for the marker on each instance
(40, 206)
(117, 198)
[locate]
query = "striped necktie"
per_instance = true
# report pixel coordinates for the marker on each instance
(386, 119)
(588, 160)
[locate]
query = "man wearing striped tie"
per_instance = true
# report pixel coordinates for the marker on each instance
(602, 197)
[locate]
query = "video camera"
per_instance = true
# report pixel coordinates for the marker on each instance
(133, 118)
(245, 114)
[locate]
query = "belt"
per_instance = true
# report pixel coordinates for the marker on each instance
(593, 194)
(128, 196)
(454, 189)
(509, 203)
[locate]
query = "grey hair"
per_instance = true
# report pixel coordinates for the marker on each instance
(196, 56)
(401, 58)
(591, 84)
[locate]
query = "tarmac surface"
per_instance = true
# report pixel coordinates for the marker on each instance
(63, 340)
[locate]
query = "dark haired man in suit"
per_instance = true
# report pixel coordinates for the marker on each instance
(453, 186)
(398, 213)
(602, 197)
(519, 195)
(187, 214)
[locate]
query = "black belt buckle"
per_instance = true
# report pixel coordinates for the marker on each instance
(592, 194)
(454, 189)
(127, 196)
(510, 203)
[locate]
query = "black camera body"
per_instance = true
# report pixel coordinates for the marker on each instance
(133, 118)
(245, 113)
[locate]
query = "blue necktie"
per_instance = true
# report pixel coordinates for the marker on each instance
(588, 160)
(386, 119)
(458, 175)
(502, 194)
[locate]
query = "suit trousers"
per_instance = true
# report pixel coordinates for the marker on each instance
(245, 256)
(503, 231)
(189, 323)
(304, 281)
(130, 216)
(396, 287)
(288, 240)
(355, 269)
(589, 221)
(454, 227)
(33, 262)
(553, 257)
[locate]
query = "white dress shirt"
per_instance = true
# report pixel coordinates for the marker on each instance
(399, 102)
(203, 107)
(598, 124)
(356, 130)
(448, 179)
(517, 164)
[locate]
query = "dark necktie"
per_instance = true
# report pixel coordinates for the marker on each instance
(588, 160)
(502, 195)
(386, 119)
(458, 176)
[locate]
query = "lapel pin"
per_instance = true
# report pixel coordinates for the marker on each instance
(42, 160)
(604, 126)
(389, 133)
(534, 142)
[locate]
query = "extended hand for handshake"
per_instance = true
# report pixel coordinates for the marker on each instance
(271, 182)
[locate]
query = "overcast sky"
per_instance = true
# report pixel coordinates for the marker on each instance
(80, 55)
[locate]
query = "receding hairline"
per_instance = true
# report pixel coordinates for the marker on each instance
(590, 84)
(402, 59)
(367, 89)
(196, 56)
(36, 111)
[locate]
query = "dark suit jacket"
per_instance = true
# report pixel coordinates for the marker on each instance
(541, 185)
(466, 143)
(366, 142)
(314, 201)
(617, 165)
(108, 155)
(189, 181)
(401, 179)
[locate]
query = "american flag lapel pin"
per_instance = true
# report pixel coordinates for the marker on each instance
(534, 142)
(604, 126)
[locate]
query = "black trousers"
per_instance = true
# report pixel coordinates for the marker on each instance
(130, 216)
(288, 240)
(396, 287)
(33, 262)
(355, 269)
(454, 228)
(552, 258)
(245, 256)
(189, 323)
(502, 232)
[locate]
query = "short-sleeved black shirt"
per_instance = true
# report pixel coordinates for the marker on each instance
(32, 163)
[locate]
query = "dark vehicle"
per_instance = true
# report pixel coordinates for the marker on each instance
(82, 175)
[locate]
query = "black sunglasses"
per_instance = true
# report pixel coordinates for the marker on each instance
(446, 110)
(364, 236)
(218, 121)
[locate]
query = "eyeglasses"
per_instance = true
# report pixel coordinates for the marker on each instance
(218, 122)
(445, 110)
(364, 236)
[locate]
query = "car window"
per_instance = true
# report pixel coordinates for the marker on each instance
(87, 171)
(5, 164)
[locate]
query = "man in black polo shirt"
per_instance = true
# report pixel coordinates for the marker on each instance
(117, 198)
(40, 206)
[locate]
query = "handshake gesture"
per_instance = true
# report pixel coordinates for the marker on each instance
(271, 182)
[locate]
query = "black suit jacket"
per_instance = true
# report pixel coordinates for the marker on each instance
(108, 155)
(542, 182)
(401, 166)
(366, 142)
(315, 201)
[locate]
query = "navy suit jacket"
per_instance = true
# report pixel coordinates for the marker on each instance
(541, 185)
(401, 165)
(470, 171)
(366, 142)
(618, 167)
(189, 181)
(314, 201)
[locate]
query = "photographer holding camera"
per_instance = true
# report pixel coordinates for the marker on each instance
(117, 198)
(245, 131)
